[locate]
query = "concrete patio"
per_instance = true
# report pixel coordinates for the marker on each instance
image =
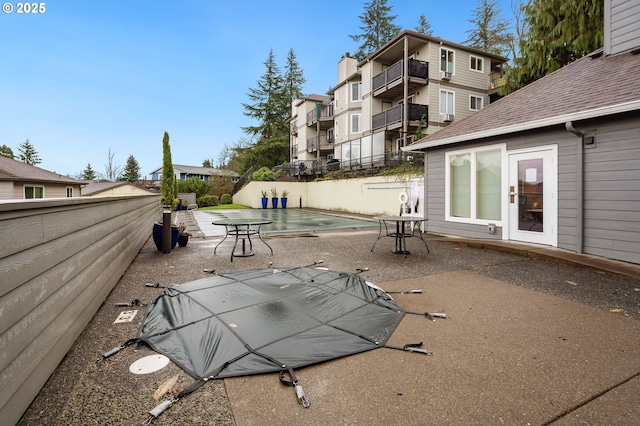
(534, 335)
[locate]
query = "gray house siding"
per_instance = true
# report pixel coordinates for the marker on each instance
(612, 191)
(621, 28)
(610, 196)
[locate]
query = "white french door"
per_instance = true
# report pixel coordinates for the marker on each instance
(532, 197)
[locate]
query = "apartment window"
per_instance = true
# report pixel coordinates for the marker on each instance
(69, 191)
(447, 102)
(475, 103)
(356, 92)
(473, 185)
(355, 123)
(33, 191)
(335, 98)
(476, 63)
(446, 60)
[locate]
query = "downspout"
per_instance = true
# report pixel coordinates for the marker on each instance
(579, 184)
(405, 94)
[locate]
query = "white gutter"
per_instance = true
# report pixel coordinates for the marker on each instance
(530, 125)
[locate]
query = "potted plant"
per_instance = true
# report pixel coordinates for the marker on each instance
(169, 193)
(283, 199)
(183, 236)
(274, 197)
(264, 199)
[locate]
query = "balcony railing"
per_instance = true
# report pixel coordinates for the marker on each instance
(419, 69)
(323, 141)
(321, 112)
(394, 115)
(497, 80)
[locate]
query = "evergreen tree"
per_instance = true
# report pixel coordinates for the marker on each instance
(557, 33)
(424, 26)
(5, 151)
(377, 26)
(168, 184)
(27, 154)
(131, 171)
(293, 79)
(207, 163)
(491, 31)
(271, 108)
(268, 100)
(88, 173)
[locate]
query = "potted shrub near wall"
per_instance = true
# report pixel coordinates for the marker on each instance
(283, 199)
(274, 198)
(264, 199)
(169, 193)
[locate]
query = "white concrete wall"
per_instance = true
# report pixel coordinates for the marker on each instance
(369, 196)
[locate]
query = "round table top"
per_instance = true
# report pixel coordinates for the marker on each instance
(400, 218)
(241, 221)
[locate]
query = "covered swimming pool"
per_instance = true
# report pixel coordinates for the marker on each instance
(284, 220)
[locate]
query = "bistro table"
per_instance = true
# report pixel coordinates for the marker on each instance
(400, 234)
(242, 228)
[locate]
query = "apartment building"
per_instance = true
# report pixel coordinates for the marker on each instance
(414, 83)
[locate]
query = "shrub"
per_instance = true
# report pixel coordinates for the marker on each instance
(264, 174)
(208, 201)
(226, 199)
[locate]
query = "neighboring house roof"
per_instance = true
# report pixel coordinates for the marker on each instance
(93, 188)
(12, 170)
(194, 170)
(593, 86)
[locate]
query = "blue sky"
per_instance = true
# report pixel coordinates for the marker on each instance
(89, 76)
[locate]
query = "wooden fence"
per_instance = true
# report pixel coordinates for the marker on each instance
(59, 259)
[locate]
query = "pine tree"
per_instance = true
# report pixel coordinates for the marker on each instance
(557, 33)
(377, 26)
(293, 78)
(271, 108)
(5, 151)
(168, 184)
(27, 154)
(88, 173)
(131, 171)
(424, 26)
(491, 31)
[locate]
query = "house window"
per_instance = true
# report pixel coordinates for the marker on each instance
(475, 103)
(447, 102)
(446, 60)
(356, 92)
(69, 191)
(33, 191)
(473, 185)
(475, 63)
(355, 123)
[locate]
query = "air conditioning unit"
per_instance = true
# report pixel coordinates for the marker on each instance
(446, 75)
(448, 118)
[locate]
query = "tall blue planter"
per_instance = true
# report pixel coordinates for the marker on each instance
(157, 235)
(274, 203)
(283, 203)
(264, 203)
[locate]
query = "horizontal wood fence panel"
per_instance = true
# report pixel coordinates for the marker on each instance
(59, 263)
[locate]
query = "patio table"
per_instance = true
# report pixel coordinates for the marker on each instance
(242, 228)
(400, 235)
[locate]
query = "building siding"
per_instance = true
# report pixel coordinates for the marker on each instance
(621, 29)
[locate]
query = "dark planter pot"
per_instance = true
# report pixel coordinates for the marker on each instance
(274, 203)
(157, 235)
(264, 203)
(183, 240)
(283, 203)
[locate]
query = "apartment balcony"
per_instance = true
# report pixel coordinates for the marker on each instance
(389, 83)
(323, 114)
(497, 80)
(294, 127)
(324, 142)
(392, 118)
